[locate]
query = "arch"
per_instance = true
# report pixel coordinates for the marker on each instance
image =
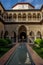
(22, 33)
(38, 15)
(39, 34)
(6, 34)
(10, 15)
(5, 15)
(22, 28)
(14, 15)
(2, 34)
(19, 15)
(31, 34)
(29, 16)
(24, 16)
(34, 15)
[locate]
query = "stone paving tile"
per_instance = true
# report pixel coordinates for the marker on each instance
(5, 57)
(35, 57)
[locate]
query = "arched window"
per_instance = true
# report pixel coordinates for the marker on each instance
(5, 15)
(24, 16)
(29, 16)
(6, 34)
(34, 15)
(10, 16)
(19, 15)
(38, 15)
(31, 33)
(39, 34)
(14, 16)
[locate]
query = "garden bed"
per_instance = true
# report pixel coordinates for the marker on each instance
(3, 51)
(39, 51)
(5, 45)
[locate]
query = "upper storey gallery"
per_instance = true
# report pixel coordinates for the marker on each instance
(22, 12)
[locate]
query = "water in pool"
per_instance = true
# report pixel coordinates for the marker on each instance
(20, 56)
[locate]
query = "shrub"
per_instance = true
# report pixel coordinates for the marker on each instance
(3, 42)
(37, 41)
(8, 40)
(41, 43)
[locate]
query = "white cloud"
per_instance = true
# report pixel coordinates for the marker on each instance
(38, 6)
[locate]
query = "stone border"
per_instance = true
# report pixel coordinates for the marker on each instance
(35, 57)
(6, 56)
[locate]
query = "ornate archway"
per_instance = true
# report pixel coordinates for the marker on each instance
(22, 34)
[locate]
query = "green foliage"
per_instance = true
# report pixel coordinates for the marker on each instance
(3, 42)
(41, 43)
(39, 51)
(37, 41)
(8, 40)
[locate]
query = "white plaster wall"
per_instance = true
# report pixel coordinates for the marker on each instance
(22, 6)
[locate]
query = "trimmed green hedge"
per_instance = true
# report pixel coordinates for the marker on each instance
(4, 42)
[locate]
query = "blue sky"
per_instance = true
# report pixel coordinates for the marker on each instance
(9, 3)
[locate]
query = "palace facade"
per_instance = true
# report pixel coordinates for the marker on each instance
(22, 23)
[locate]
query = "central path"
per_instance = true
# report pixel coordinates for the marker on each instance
(20, 56)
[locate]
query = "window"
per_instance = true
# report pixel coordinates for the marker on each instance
(24, 16)
(29, 16)
(19, 15)
(34, 15)
(31, 35)
(38, 15)
(10, 16)
(39, 34)
(14, 16)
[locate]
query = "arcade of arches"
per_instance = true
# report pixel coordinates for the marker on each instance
(22, 35)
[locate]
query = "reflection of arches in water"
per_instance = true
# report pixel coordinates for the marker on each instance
(39, 34)
(22, 33)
